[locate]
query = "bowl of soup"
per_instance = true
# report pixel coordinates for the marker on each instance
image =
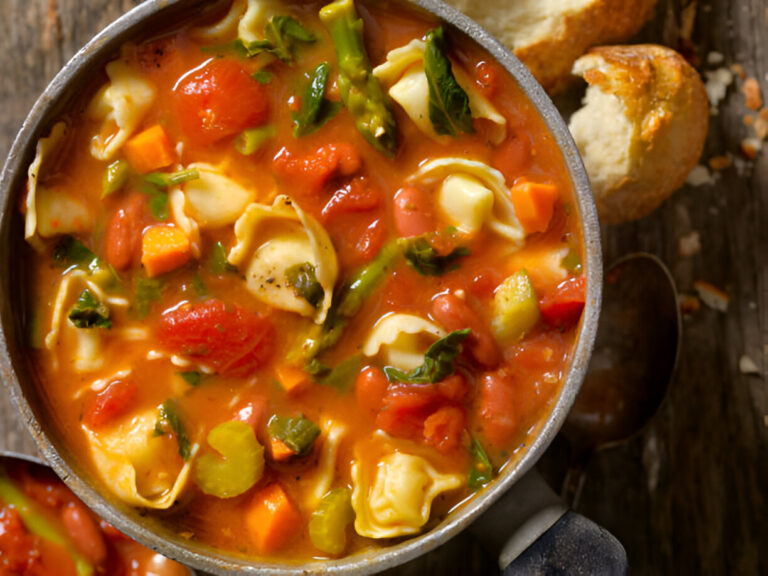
(295, 284)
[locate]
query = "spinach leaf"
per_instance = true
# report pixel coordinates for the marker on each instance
(155, 186)
(262, 76)
(439, 361)
(169, 414)
(88, 312)
(449, 109)
(71, 252)
(282, 32)
(192, 377)
(423, 257)
(342, 376)
(302, 278)
(315, 109)
(298, 433)
(482, 471)
(199, 286)
(146, 291)
(219, 263)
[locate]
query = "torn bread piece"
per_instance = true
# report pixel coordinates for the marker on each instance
(642, 127)
(549, 35)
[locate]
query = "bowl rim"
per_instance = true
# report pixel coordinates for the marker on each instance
(42, 116)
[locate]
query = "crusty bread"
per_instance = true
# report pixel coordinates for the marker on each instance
(548, 35)
(642, 128)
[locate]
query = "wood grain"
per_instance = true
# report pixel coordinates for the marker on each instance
(688, 495)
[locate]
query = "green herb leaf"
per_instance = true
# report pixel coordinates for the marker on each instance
(192, 377)
(449, 109)
(282, 33)
(251, 140)
(423, 257)
(263, 76)
(168, 179)
(115, 177)
(155, 184)
(439, 361)
(342, 376)
(219, 263)
(317, 368)
(169, 413)
(315, 109)
(70, 252)
(482, 471)
(199, 286)
(302, 278)
(88, 312)
(145, 292)
(298, 433)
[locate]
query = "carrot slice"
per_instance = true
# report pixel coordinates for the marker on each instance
(279, 450)
(149, 150)
(272, 519)
(164, 248)
(291, 378)
(534, 204)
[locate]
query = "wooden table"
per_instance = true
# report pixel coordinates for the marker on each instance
(690, 494)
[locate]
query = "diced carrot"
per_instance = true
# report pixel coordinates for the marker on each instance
(272, 519)
(279, 450)
(291, 378)
(149, 150)
(164, 248)
(534, 204)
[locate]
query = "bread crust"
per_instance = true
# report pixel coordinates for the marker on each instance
(550, 57)
(666, 103)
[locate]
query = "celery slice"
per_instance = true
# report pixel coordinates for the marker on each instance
(329, 521)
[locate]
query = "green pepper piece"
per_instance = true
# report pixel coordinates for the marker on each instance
(238, 465)
(515, 308)
(37, 524)
(329, 521)
(360, 92)
(115, 177)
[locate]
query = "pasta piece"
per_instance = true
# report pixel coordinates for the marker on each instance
(137, 464)
(325, 473)
(404, 73)
(121, 106)
(400, 335)
(225, 28)
(214, 200)
(256, 16)
(501, 219)
(395, 496)
(271, 241)
(178, 203)
(466, 202)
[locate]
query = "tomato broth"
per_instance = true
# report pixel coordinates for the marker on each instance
(291, 325)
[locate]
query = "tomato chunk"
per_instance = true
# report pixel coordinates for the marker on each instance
(443, 428)
(512, 157)
(111, 403)
(307, 174)
(454, 313)
(562, 308)
(497, 408)
(357, 196)
(229, 339)
(219, 100)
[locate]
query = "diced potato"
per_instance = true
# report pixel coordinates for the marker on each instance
(465, 202)
(515, 308)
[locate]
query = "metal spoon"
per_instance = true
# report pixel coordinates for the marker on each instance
(635, 354)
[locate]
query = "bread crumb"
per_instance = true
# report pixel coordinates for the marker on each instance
(715, 58)
(718, 163)
(738, 69)
(689, 304)
(717, 85)
(750, 147)
(747, 365)
(689, 244)
(700, 176)
(711, 295)
(752, 97)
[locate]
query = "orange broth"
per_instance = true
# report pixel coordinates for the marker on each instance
(532, 368)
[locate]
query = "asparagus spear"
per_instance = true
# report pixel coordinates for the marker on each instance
(37, 524)
(360, 91)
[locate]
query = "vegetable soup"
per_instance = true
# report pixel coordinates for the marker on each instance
(303, 277)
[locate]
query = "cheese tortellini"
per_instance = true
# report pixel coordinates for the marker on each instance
(404, 73)
(120, 105)
(135, 463)
(214, 200)
(272, 241)
(472, 194)
(395, 499)
(400, 335)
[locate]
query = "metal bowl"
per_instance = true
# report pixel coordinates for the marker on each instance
(18, 375)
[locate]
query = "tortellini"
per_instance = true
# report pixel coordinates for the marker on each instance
(399, 335)
(394, 498)
(271, 241)
(472, 193)
(245, 16)
(214, 200)
(51, 211)
(404, 73)
(332, 434)
(133, 462)
(120, 105)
